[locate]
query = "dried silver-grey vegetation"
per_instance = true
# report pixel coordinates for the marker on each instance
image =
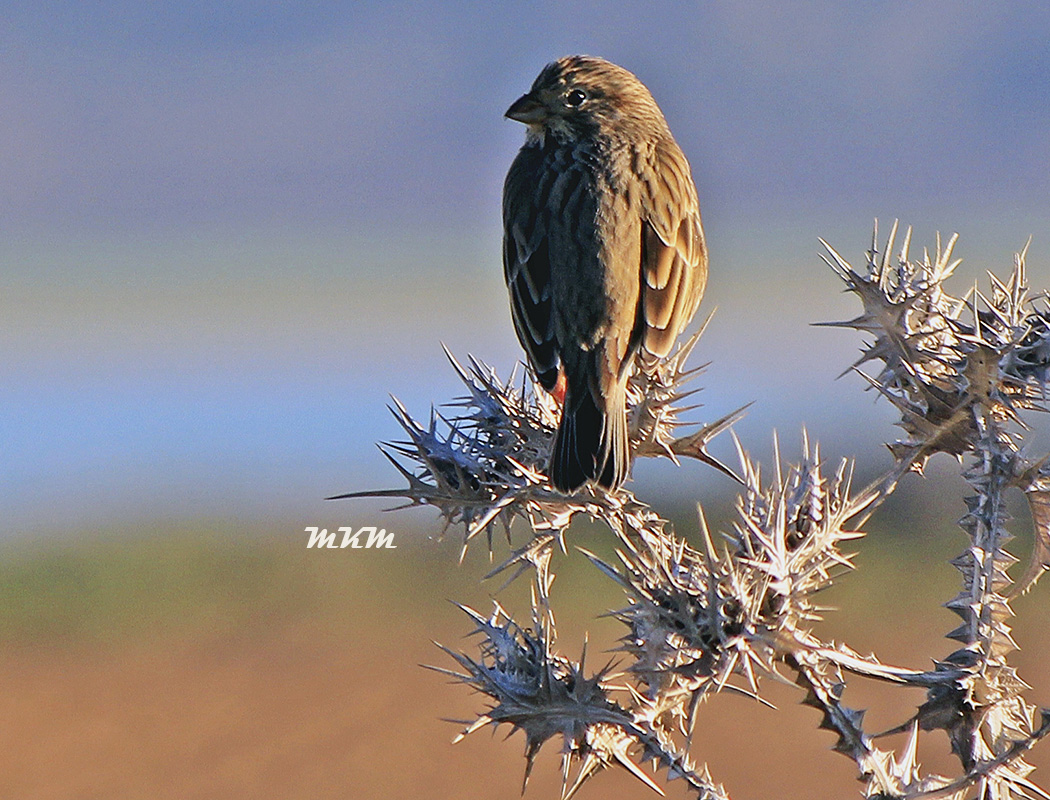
(722, 613)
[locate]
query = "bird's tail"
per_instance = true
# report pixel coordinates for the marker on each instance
(591, 442)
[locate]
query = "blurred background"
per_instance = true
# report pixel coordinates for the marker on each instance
(229, 232)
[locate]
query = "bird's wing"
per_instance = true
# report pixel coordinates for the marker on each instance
(527, 269)
(674, 254)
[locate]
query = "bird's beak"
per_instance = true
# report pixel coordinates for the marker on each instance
(527, 109)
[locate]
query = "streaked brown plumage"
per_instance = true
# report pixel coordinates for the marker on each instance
(603, 252)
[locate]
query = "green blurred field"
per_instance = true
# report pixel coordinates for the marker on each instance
(208, 660)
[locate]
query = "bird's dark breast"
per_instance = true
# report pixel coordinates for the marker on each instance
(573, 187)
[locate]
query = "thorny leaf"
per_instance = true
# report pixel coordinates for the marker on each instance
(545, 696)
(960, 371)
(486, 462)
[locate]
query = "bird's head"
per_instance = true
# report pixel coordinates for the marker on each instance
(579, 96)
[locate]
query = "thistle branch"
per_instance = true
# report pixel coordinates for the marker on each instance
(724, 612)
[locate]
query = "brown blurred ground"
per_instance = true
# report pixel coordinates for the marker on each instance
(200, 666)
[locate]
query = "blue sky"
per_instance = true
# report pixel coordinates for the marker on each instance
(229, 231)
(129, 115)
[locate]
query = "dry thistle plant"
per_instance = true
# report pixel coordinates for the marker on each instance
(721, 614)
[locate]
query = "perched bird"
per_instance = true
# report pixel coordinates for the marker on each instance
(603, 252)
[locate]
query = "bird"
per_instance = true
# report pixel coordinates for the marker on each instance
(603, 252)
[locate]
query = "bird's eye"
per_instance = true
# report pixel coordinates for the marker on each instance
(575, 98)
